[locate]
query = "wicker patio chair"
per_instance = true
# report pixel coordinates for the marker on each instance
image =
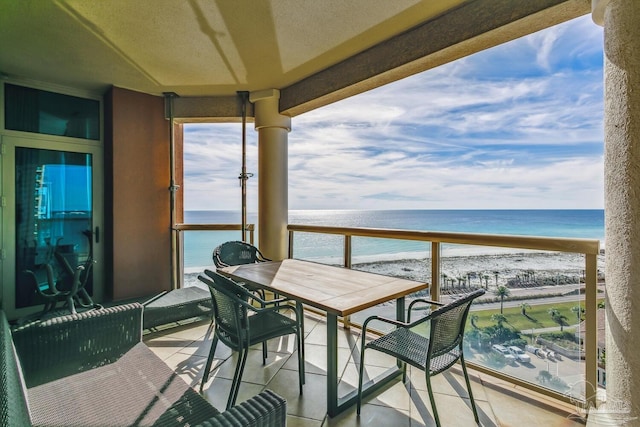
(239, 325)
(433, 354)
(238, 253)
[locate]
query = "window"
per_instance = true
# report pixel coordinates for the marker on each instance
(39, 111)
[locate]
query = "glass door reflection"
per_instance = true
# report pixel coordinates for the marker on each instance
(54, 222)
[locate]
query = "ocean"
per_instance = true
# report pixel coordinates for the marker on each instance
(589, 223)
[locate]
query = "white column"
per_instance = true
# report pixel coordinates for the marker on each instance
(273, 203)
(621, 22)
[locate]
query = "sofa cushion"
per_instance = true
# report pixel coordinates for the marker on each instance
(138, 389)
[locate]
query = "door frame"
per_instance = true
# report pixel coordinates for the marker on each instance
(9, 141)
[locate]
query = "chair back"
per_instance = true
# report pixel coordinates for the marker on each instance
(229, 312)
(447, 326)
(236, 253)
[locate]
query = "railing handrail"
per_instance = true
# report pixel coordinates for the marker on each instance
(212, 227)
(559, 244)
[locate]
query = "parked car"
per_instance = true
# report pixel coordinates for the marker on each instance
(502, 350)
(519, 354)
(532, 349)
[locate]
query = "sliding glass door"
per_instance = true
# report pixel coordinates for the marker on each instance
(52, 220)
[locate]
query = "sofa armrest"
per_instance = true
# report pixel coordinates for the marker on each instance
(65, 345)
(14, 410)
(264, 409)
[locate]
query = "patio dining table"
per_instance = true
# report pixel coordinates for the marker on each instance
(338, 292)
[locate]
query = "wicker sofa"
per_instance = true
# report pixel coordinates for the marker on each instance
(92, 369)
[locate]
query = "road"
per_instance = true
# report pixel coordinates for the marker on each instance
(523, 293)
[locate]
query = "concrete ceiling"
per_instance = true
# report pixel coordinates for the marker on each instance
(314, 51)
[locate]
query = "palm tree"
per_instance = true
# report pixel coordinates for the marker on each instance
(499, 319)
(557, 317)
(496, 273)
(532, 275)
(523, 308)
(544, 377)
(577, 310)
(444, 279)
(502, 292)
(486, 281)
(474, 318)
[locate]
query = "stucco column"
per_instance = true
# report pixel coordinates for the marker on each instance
(621, 22)
(273, 203)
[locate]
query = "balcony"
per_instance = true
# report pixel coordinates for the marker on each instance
(511, 390)
(500, 403)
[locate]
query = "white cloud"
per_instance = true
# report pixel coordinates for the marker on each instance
(518, 126)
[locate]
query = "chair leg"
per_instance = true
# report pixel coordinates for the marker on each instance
(466, 378)
(72, 306)
(300, 310)
(300, 314)
(237, 376)
(207, 368)
(85, 299)
(301, 373)
(264, 343)
(264, 353)
(360, 376)
(431, 398)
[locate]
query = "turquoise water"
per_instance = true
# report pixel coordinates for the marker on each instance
(552, 223)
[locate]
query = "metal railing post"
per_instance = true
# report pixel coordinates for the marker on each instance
(347, 251)
(290, 244)
(346, 321)
(435, 271)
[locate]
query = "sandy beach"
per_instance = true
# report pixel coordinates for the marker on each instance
(513, 270)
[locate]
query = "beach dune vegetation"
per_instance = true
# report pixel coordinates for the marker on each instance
(558, 318)
(537, 316)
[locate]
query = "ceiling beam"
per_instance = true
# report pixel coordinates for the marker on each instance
(210, 109)
(439, 41)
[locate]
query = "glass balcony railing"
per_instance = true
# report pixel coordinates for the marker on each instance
(537, 324)
(196, 242)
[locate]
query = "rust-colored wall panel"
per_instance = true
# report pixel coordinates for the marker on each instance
(137, 207)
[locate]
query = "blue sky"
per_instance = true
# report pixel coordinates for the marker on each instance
(519, 126)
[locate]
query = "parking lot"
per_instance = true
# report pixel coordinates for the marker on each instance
(570, 371)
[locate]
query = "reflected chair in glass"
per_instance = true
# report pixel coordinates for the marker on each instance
(240, 325)
(65, 283)
(433, 354)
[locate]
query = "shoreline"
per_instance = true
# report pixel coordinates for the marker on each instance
(535, 269)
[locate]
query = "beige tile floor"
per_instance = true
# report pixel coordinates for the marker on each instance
(185, 348)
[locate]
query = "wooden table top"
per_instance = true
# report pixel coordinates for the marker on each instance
(336, 290)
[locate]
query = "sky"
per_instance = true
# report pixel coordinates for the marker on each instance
(518, 126)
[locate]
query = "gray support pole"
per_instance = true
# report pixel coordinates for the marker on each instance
(244, 96)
